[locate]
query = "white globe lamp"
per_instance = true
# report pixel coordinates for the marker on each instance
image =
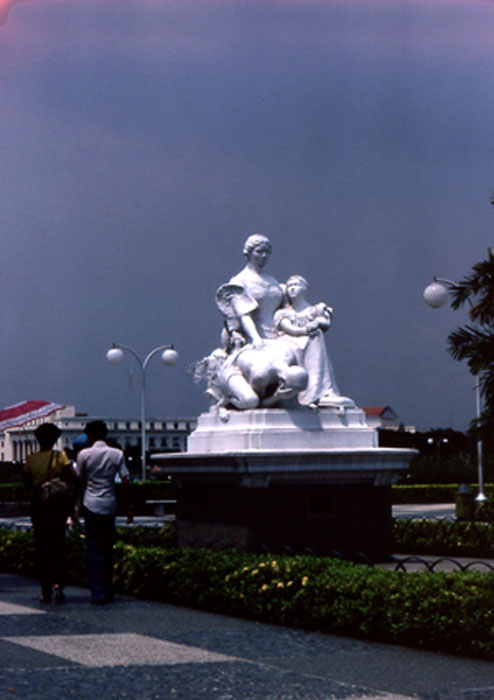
(169, 356)
(114, 356)
(435, 295)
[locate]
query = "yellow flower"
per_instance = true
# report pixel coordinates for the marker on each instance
(304, 580)
(264, 587)
(290, 583)
(254, 572)
(246, 568)
(280, 584)
(227, 577)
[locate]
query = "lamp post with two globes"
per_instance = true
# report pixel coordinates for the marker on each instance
(436, 295)
(169, 356)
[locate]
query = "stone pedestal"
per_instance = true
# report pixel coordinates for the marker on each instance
(282, 430)
(281, 478)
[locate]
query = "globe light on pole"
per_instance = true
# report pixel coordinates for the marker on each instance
(169, 356)
(114, 355)
(435, 295)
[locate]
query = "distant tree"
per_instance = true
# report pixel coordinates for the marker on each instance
(475, 342)
(445, 456)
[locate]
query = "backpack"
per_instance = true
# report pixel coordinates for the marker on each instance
(54, 492)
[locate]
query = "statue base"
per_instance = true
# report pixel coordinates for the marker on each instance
(281, 429)
(280, 478)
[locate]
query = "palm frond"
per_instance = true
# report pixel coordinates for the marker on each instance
(477, 289)
(464, 341)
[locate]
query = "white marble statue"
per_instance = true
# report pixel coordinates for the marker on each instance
(305, 324)
(272, 347)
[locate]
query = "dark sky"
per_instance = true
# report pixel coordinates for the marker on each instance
(141, 142)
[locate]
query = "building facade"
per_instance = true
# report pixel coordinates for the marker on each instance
(17, 440)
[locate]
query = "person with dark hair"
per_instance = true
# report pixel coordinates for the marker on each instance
(48, 514)
(97, 467)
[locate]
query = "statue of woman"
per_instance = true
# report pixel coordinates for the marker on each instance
(305, 324)
(253, 295)
(253, 367)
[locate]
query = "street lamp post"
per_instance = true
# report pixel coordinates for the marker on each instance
(169, 356)
(436, 295)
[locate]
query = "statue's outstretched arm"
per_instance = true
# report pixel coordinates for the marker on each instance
(251, 331)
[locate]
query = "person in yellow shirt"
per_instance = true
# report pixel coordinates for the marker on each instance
(48, 517)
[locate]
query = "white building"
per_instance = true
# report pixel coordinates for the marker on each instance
(385, 418)
(18, 423)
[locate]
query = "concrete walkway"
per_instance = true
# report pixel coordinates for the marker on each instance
(143, 650)
(433, 510)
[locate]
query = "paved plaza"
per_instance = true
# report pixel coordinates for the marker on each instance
(143, 650)
(420, 510)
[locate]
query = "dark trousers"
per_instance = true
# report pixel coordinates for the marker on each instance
(49, 547)
(100, 538)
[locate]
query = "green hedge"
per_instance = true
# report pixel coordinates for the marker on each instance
(12, 492)
(10, 472)
(445, 538)
(424, 493)
(448, 612)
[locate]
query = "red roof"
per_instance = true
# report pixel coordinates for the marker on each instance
(380, 411)
(374, 410)
(26, 411)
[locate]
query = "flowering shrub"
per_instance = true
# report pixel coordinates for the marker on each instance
(17, 552)
(449, 612)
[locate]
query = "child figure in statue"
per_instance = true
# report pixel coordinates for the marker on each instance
(305, 324)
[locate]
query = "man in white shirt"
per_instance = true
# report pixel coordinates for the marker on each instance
(97, 468)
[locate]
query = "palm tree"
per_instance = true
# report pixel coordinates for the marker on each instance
(475, 343)
(477, 289)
